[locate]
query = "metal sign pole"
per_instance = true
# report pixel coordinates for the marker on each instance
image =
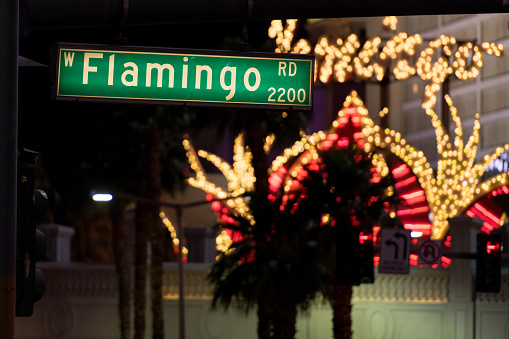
(182, 322)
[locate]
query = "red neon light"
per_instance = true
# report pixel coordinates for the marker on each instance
(412, 195)
(485, 229)
(446, 262)
(314, 166)
(343, 142)
(417, 226)
(416, 210)
(499, 191)
(216, 206)
(365, 237)
(350, 110)
(413, 259)
(487, 213)
(488, 227)
(405, 182)
(332, 137)
(470, 214)
(329, 141)
(275, 180)
(376, 260)
(416, 200)
(424, 228)
(447, 241)
(493, 247)
(400, 171)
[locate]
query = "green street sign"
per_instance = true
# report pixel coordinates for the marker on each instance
(163, 76)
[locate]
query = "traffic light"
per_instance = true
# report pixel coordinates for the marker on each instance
(30, 242)
(365, 270)
(354, 256)
(488, 262)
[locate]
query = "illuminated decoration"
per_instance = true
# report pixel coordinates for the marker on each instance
(342, 59)
(285, 176)
(284, 37)
(414, 210)
(173, 233)
(484, 208)
(240, 178)
(456, 186)
(428, 199)
(390, 23)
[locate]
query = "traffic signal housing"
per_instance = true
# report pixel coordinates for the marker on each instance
(30, 242)
(488, 263)
(365, 253)
(354, 255)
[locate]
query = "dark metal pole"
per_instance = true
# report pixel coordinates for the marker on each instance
(9, 24)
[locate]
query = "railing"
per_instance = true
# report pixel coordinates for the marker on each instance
(79, 296)
(99, 280)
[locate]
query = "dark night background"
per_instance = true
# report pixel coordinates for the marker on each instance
(71, 136)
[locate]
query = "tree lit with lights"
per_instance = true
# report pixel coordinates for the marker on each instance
(428, 196)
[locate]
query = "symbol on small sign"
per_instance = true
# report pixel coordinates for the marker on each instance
(396, 247)
(430, 252)
(394, 251)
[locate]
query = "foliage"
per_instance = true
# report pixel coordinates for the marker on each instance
(268, 264)
(293, 260)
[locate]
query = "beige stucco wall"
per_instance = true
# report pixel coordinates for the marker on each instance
(81, 302)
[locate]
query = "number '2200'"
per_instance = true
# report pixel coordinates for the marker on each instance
(281, 95)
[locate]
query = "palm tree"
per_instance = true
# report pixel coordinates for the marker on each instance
(280, 268)
(256, 126)
(349, 196)
(269, 269)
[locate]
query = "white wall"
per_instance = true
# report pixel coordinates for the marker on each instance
(81, 302)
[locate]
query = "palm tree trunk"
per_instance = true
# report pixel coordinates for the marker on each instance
(275, 321)
(147, 221)
(155, 227)
(264, 321)
(140, 273)
(156, 279)
(255, 139)
(285, 317)
(342, 311)
(122, 264)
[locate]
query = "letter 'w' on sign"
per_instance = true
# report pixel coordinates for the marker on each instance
(68, 59)
(160, 76)
(395, 251)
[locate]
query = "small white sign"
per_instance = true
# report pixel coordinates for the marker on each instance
(395, 251)
(429, 252)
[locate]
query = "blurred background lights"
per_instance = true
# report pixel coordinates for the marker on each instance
(102, 197)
